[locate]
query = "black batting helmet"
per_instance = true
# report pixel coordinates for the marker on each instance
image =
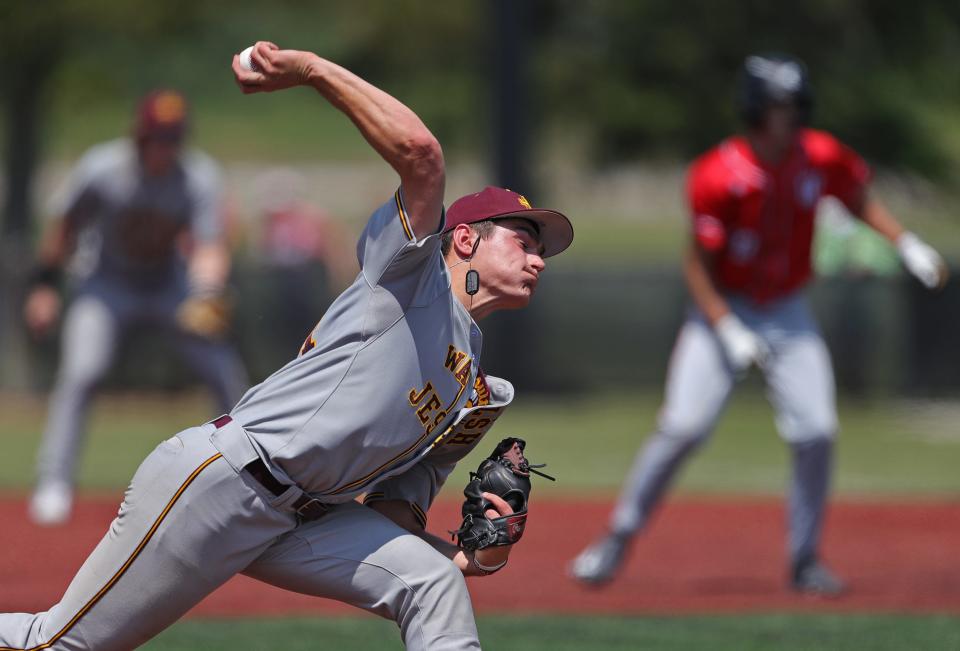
(767, 79)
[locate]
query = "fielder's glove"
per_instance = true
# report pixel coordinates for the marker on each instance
(206, 316)
(505, 473)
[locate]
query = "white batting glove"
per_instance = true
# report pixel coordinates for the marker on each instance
(741, 345)
(922, 260)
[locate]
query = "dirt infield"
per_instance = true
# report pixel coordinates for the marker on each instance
(702, 555)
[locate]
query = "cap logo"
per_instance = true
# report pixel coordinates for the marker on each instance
(169, 108)
(523, 202)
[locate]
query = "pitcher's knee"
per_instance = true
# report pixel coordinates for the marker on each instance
(435, 610)
(442, 581)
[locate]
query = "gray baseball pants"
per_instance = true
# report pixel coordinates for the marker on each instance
(189, 521)
(93, 327)
(800, 386)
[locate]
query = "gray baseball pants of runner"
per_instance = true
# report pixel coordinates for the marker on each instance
(189, 521)
(93, 327)
(800, 386)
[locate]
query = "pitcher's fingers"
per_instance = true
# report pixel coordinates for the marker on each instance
(246, 79)
(237, 70)
(260, 56)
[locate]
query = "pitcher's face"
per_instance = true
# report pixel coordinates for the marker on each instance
(509, 263)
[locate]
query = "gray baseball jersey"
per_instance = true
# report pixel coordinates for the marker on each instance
(380, 381)
(384, 398)
(133, 219)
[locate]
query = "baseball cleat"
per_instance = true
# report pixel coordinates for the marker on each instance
(814, 578)
(51, 504)
(597, 564)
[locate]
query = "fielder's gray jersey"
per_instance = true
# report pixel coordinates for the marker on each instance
(136, 219)
(379, 382)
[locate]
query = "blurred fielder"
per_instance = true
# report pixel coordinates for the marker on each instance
(145, 217)
(752, 201)
(384, 398)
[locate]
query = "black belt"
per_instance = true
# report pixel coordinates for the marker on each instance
(258, 470)
(307, 508)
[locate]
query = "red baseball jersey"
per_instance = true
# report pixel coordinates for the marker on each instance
(758, 218)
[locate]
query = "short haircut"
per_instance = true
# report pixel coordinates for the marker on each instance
(484, 229)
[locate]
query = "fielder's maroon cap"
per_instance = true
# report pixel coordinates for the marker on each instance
(556, 232)
(162, 114)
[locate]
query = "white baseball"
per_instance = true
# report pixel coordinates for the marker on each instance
(246, 62)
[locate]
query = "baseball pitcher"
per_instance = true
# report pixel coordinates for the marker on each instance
(385, 397)
(752, 200)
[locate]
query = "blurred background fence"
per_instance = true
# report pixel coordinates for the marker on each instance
(594, 330)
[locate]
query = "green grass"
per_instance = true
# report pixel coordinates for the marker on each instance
(716, 633)
(884, 448)
(589, 442)
(122, 430)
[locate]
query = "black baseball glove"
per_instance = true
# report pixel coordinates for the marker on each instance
(505, 473)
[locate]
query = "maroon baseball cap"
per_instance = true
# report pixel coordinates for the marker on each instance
(556, 232)
(162, 114)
